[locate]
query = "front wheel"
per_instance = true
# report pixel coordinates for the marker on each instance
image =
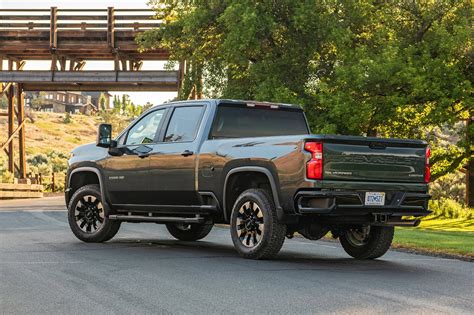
(254, 227)
(86, 216)
(367, 242)
(189, 232)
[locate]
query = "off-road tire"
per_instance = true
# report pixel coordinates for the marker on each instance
(274, 232)
(194, 231)
(378, 243)
(109, 227)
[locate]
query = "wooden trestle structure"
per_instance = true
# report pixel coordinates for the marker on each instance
(68, 38)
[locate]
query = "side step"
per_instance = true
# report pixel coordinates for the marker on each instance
(152, 219)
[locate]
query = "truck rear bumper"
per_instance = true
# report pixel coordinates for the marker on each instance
(351, 203)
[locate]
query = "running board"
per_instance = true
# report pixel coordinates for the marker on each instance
(139, 218)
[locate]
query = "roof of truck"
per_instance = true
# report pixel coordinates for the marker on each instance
(232, 101)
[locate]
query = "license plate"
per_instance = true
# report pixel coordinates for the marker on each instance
(374, 198)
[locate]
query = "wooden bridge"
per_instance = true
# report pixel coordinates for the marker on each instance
(68, 38)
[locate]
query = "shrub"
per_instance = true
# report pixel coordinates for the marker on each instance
(67, 119)
(38, 159)
(6, 177)
(451, 186)
(451, 209)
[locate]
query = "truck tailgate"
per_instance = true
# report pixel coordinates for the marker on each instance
(373, 159)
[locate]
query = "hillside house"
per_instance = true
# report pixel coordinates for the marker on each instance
(66, 102)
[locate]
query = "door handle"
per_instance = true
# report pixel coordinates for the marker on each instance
(143, 155)
(187, 153)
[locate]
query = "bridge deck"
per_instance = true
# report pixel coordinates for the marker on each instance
(93, 80)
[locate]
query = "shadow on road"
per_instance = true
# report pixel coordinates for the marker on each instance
(288, 259)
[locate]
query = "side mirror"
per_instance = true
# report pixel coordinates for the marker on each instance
(104, 136)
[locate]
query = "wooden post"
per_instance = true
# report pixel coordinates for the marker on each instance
(53, 37)
(11, 117)
(53, 32)
(111, 27)
(53, 184)
(62, 63)
(20, 97)
(124, 64)
(117, 62)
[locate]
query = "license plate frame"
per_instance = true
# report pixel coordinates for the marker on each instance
(374, 198)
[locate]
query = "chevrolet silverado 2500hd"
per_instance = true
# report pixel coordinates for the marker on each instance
(252, 165)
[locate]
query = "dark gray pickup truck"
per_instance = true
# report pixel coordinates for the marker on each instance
(252, 165)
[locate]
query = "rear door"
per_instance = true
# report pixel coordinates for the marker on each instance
(173, 159)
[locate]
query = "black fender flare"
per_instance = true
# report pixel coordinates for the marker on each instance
(258, 169)
(101, 184)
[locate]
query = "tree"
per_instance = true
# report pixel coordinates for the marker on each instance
(102, 102)
(378, 68)
(38, 101)
(117, 104)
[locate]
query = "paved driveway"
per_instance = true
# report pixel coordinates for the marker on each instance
(44, 269)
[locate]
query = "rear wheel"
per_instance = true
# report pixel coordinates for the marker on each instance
(189, 232)
(86, 216)
(367, 242)
(254, 227)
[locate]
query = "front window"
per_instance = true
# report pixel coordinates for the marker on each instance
(145, 129)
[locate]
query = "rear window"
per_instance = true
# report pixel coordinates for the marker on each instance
(241, 121)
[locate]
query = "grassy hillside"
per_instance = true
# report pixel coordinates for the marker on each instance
(50, 131)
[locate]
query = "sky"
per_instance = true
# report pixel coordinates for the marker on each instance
(137, 97)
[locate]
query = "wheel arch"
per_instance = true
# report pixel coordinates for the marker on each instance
(227, 204)
(81, 176)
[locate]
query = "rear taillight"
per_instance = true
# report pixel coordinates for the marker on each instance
(427, 165)
(314, 167)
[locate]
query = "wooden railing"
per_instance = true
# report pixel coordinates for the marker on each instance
(81, 33)
(59, 19)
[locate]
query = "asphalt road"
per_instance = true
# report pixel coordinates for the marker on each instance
(44, 269)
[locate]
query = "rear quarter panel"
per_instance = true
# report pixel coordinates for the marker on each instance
(281, 155)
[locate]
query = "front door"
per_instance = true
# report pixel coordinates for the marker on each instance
(173, 160)
(127, 175)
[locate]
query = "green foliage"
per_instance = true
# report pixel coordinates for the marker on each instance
(117, 120)
(450, 186)
(124, 111)
(36, 102)
(38, 159)
(452, 209)
(5, 175)
(67, 118)
(377, 68)
(46, 164)
(102, 102)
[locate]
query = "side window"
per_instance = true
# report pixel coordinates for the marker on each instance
(183, 124)
(144, 130)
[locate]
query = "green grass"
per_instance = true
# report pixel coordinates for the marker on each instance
(451, 236)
